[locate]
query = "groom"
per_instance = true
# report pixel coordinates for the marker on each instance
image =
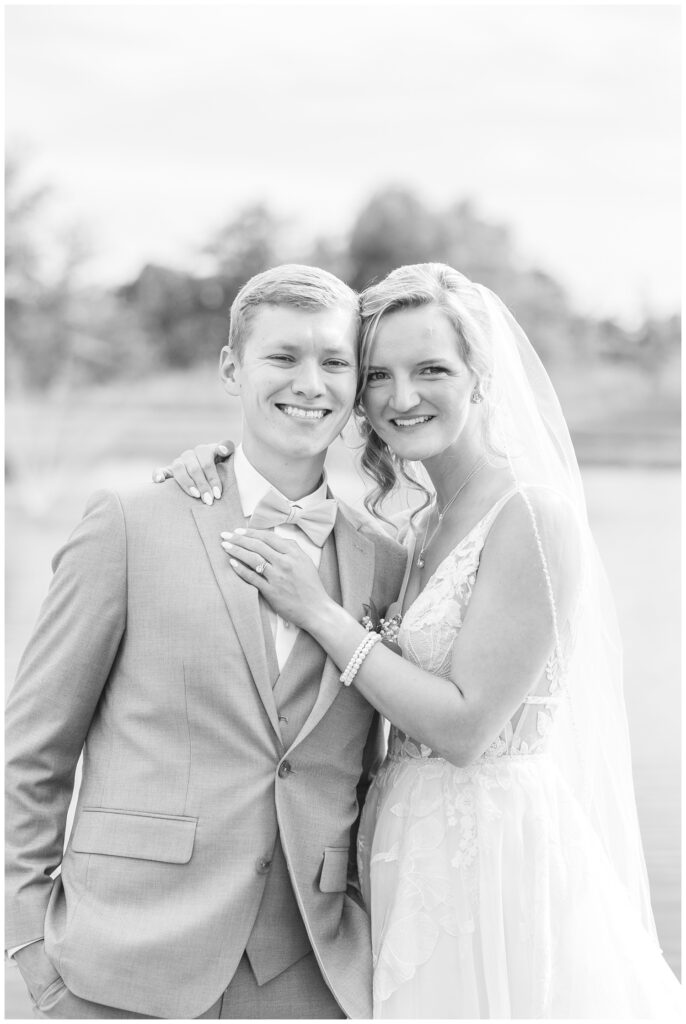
(207, 870)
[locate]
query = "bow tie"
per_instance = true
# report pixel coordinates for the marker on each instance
(316, 521)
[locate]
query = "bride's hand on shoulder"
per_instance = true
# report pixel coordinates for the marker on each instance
(282, 572)
(195, 471)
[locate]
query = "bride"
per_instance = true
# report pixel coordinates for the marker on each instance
(499, 845)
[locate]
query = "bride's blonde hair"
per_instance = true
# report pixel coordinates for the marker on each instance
(409, 287)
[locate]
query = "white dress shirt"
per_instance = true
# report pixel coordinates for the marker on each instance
(252, 487)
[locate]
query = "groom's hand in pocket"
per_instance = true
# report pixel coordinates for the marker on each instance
(36, 969)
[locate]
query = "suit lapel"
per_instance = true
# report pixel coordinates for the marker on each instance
(242, 600)
(355, 557)
(269, 645)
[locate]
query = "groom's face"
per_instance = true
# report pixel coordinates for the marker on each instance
(296, 377)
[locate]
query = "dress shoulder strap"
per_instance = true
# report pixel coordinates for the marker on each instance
(488, 521)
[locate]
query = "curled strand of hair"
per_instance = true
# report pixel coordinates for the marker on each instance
(386, 470)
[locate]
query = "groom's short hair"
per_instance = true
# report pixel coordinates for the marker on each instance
(292, 284)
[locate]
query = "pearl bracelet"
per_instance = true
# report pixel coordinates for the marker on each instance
(361, 652)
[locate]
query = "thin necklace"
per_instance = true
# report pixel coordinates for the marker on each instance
(441, 515)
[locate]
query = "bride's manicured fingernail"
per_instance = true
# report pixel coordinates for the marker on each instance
(226, 534)
(222, 449)
(233, 562)
(158, 476)
(226, 545)
(194, 492)
(240, 530)
(207, 498)
(217, 491)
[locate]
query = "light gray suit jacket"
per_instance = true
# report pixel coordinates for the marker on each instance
(150, 656)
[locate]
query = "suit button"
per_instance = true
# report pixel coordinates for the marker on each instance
(285, 769)
(263, 865)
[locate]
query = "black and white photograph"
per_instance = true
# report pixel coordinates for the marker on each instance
(343, 511)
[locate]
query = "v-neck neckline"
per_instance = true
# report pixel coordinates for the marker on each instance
(411, 554)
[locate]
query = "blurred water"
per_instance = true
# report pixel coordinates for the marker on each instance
(635, 514)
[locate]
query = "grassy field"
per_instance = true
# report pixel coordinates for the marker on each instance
(61, 450)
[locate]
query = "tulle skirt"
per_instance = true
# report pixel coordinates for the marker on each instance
(491, 897)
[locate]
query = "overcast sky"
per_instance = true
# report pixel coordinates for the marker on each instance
(157, 123)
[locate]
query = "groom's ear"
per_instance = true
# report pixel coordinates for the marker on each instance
(228, 366)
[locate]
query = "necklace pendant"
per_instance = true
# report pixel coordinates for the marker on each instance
(440, 515)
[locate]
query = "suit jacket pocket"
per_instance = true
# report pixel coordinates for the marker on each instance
(137, 834)
(334, 876)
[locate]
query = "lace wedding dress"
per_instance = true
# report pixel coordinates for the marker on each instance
(491, 893)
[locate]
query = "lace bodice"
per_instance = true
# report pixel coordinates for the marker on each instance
(432, 624)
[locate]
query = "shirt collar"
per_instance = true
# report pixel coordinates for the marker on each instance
(252, 486)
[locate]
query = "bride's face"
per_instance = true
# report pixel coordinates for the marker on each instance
(418, 389)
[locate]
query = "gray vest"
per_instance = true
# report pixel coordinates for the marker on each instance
(278, 938)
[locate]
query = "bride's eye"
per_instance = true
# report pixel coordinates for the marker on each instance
(374, 376)
(434, 371)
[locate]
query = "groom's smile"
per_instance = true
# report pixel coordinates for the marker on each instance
(296, 378)
(303, 412)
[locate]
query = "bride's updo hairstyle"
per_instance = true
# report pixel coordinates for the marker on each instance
(409, 287)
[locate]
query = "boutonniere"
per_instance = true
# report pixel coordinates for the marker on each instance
(387, 629)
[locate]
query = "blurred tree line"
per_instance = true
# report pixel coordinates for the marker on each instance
(60, 332)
